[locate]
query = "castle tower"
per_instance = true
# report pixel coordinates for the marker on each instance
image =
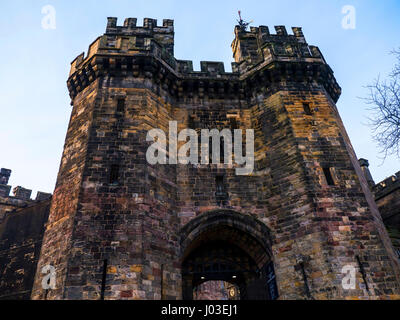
(122, 228)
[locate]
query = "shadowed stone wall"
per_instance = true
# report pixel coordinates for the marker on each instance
(21, 235)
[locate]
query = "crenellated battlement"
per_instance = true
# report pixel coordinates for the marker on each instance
(387, 186)
(130, 25)
(206, 67)
(148, 50)
(19, 192)
(21, 196)
(163, 34)
(280, 32)
(260, 45)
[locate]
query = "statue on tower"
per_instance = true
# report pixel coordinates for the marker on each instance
(243, 24)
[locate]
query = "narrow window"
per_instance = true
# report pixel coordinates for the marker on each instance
(139, 42)
(220, 194)
(233, 123)
(103, 280)
(121, 105)
(191, 122)
(114, 174)
(234, 126)
(222, 150)
(219, 181)
(210, 151)
(307, 109)
(328, 176)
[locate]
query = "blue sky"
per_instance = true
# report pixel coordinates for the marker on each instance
(35, 106)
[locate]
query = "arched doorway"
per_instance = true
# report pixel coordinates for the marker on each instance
(230, 247)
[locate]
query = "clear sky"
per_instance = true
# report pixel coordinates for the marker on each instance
(34, 101)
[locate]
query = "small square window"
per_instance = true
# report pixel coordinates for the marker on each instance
(191, 122)
(307, 109)
(114, 174)
(121, 105)
(139, 42)
(233, 123)
(219, 180)
(328, 176)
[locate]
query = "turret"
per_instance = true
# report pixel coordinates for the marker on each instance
(163, 34)
(289, 56)
(365, 168)
(251, 45)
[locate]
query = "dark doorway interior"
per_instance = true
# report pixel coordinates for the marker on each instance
(231, 256)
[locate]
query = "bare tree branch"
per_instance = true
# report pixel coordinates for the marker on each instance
(384, 101)
(396, 69)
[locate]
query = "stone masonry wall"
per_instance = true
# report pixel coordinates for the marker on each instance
(56, 247)
(387, 197)
(21, 235)
(116, 221)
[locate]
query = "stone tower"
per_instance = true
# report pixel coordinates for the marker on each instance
(121, 228)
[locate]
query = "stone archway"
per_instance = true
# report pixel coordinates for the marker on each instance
(228, 246)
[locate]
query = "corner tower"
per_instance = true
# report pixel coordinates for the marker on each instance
(120, 228)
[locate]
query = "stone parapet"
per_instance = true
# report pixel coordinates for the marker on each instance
(262, 60)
